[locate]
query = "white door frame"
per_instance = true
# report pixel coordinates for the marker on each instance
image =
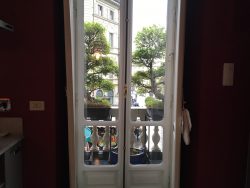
(178, 92)
(175, 61)
(153, 172)
(70, 54)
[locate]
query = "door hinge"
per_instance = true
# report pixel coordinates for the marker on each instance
(125, 91)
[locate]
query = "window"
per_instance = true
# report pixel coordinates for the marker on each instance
(111, 39)
(111, 76)
(111, 15)
(100, 10)
(99, 93)
(110, 95)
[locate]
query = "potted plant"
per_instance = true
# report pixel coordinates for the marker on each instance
(98, 65)
(97, 109)
(137, 156)
(155, 108)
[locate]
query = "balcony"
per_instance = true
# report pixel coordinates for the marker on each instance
(101, 142)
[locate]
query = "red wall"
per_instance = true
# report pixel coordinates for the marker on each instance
(32, 68)
(217, 33)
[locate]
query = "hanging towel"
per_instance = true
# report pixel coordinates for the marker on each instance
(186, 126)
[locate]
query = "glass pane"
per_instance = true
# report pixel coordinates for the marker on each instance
(146, 143)
(148, 58)
(100, 145)
(101, 40)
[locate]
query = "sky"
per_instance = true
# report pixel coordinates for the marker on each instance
(147, 13)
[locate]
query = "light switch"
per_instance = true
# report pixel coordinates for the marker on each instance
(228, 74)
(36, 105)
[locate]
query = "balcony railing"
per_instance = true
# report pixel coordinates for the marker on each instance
(137, 113)
(101, 142)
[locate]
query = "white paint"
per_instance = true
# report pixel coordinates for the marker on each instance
(69, 38)
(177, 91)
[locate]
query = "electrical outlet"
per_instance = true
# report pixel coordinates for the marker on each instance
(5, 104)
(36, 105)
(228, 74)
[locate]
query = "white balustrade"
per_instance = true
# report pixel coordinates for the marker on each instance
(137, 142)
(117, 137)
(137, 113)
(156, 139)
(143, 137)
(132, 137)
(94, 139)
(106, 139)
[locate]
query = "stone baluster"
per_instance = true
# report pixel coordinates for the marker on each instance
(132, 137)
(87, 147)
(94, 139)
(117, 137)
(156, 139)
(138, 143)
(106, 139)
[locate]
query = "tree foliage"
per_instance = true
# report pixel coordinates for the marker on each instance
(150, 55)
(97, 67)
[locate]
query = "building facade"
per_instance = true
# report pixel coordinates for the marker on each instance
(107, 13)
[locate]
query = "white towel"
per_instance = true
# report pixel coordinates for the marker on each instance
(187, 125)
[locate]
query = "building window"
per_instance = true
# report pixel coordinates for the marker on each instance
(99, 93)
(111, 39)
(111, 15)
(100, 10)
(111, 76)
(110, 96)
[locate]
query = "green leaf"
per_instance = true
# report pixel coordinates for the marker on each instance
(150, 55)
(97, 69)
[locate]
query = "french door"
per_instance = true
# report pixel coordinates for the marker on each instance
(128, 93)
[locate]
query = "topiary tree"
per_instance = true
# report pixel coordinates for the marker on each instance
(150, 55)
(98, 63)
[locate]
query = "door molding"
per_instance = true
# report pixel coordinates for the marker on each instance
(72, 57)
